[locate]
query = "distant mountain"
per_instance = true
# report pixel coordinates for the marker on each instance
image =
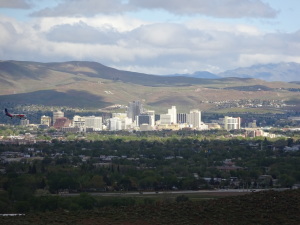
(37, 71)
(286, 72)
(198, 74)
(90, 84)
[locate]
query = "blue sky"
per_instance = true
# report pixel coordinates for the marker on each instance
(152, 36)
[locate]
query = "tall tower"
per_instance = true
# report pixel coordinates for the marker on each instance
(182, 118)
(57, 114)
(135, 108)
(195, 118)
(173, 113)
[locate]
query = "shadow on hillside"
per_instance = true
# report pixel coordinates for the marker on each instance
(71, 98)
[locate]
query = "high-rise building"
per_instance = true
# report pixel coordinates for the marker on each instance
(46, 120)
(115, 123)
(194, 118)
(151, 113)
(144, 119)
(135, 108)
(165, 119)
(232, 123)
(94, 122)
(57, 114)
(181, 118)
(173, 113)
(79, 121)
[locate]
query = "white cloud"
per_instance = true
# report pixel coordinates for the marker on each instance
(120, 23)
(156, 48)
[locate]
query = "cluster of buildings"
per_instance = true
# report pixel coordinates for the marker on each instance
(137, 118)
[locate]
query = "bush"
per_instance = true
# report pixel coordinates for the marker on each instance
(182, 198)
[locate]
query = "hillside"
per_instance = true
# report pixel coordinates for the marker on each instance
(91, 84)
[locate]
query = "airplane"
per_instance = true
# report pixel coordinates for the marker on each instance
(20, 116)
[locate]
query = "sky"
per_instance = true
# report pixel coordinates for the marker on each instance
(152, 36)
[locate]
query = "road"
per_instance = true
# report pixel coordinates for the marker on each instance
(203, 192)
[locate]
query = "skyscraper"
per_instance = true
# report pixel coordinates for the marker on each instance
(181, 118)
(135, 108)
(94, 122)
(195, 118)
(173, 113)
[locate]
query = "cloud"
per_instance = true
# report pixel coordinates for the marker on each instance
(87, 8)
(83, 33)
(213, 8)
(17, 4)
(157, 48)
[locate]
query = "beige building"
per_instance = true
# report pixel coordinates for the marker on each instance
(46, 120)
(232, 123)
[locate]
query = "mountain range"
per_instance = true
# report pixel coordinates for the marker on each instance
(89, 84)
(287, 72)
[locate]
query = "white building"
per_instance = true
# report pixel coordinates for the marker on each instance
(83, 122)
(194, 119)
(114, 123)
(151, 113)
(165, 119)
(232, 123)
(173, 113)
(94, 122)
(79, 121)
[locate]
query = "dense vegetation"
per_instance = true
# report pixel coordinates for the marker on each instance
(265, 208)
(142, 162)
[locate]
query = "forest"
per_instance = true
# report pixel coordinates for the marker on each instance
(161, 162)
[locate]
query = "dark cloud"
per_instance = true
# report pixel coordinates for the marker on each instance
(17, 4)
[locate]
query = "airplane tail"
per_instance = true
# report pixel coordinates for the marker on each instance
(7, 113)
